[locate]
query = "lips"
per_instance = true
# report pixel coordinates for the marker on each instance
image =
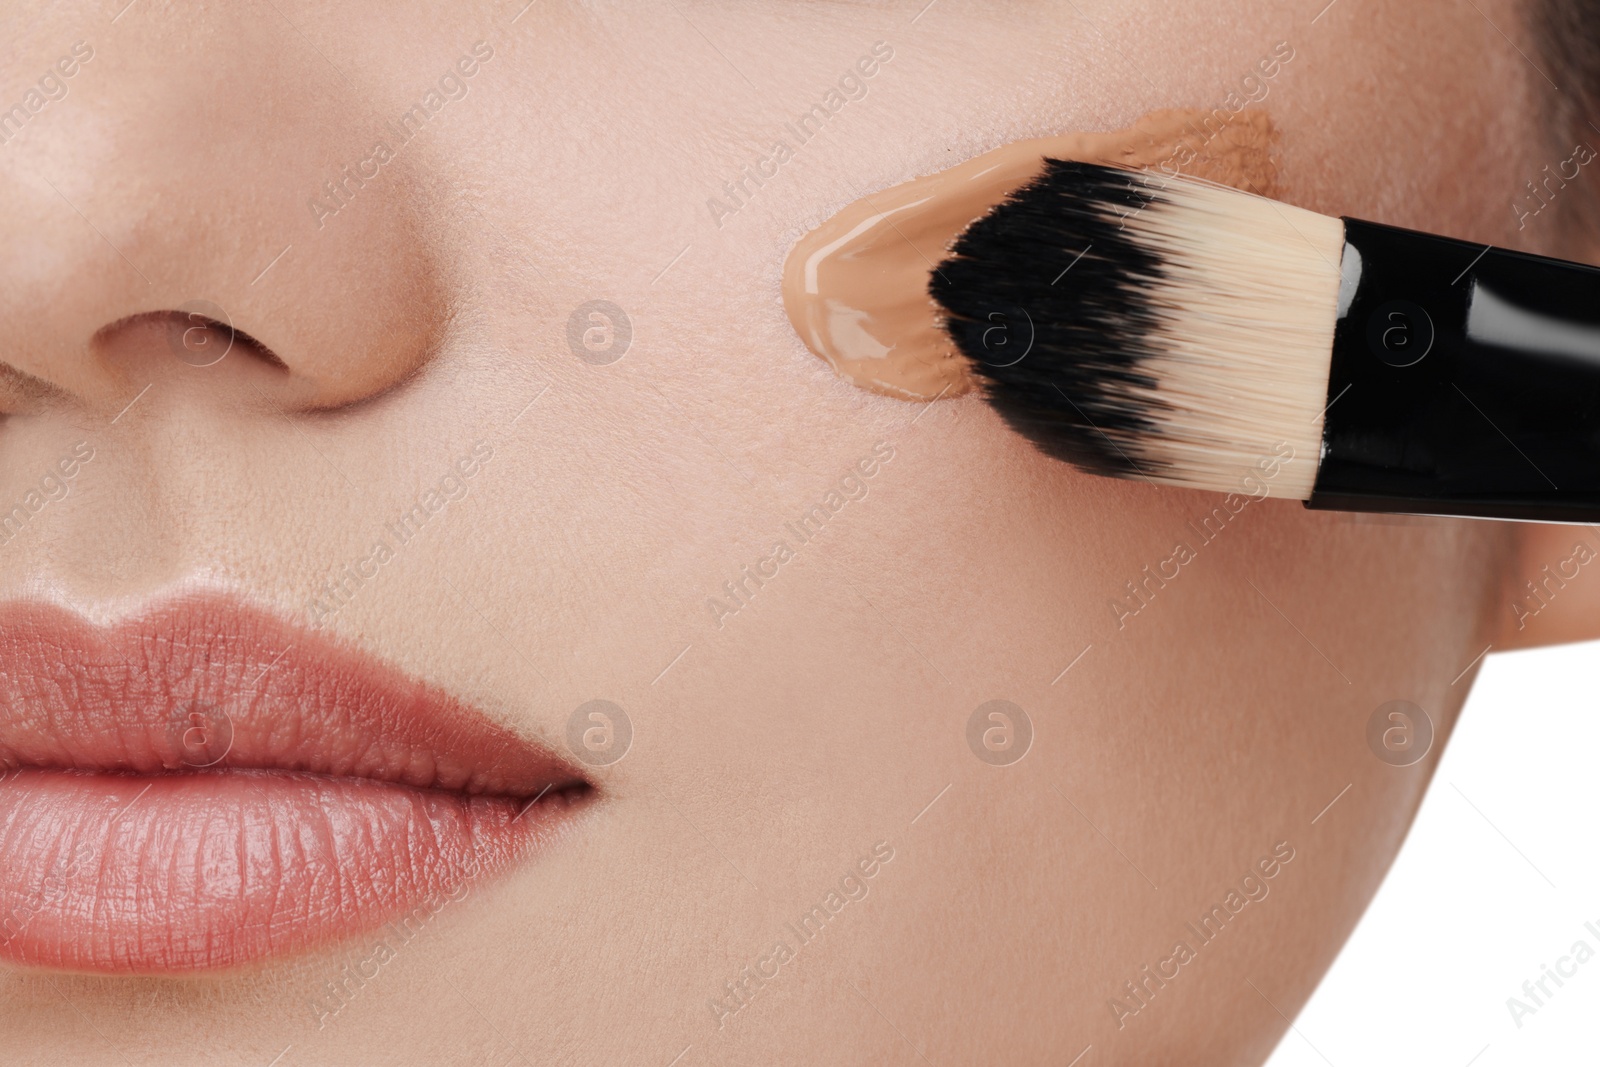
(205, 785)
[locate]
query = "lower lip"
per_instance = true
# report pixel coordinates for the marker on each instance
(160, 874)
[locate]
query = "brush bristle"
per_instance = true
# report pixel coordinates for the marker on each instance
(1142, 326)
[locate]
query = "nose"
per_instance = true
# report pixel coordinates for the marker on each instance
(174, 201)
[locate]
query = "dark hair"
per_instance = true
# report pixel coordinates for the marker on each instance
(1568, 35)
(1567, 38)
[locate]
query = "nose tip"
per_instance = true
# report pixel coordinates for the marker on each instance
(176, 218)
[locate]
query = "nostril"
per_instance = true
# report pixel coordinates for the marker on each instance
(22, 393)
(201, 334)
(200, 340)
(198, 333)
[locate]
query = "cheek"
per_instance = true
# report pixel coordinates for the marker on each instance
(636, 490)
(1346, 154)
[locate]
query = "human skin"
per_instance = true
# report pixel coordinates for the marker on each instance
(773, 750)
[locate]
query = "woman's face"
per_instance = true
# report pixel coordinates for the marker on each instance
(560, 263)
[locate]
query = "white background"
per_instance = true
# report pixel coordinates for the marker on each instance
(1467, 913)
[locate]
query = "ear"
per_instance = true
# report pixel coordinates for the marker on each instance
(1553, 591)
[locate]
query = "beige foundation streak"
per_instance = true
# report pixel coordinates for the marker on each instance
(856, 288)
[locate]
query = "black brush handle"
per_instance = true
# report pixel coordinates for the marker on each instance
(1465, 381)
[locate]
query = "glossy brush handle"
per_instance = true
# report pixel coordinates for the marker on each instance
(1465, 381)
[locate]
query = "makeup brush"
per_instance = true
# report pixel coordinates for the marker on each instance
(1140, 325)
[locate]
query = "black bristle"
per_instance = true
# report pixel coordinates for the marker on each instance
(1048, 296)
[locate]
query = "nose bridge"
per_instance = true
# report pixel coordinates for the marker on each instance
(155, 185)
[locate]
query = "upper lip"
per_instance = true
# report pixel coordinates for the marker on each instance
(203, 784)
(206, 683)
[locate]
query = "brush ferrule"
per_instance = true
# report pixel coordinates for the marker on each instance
(1464, 380)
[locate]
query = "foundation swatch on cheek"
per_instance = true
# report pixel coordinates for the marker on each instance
(856, 288)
